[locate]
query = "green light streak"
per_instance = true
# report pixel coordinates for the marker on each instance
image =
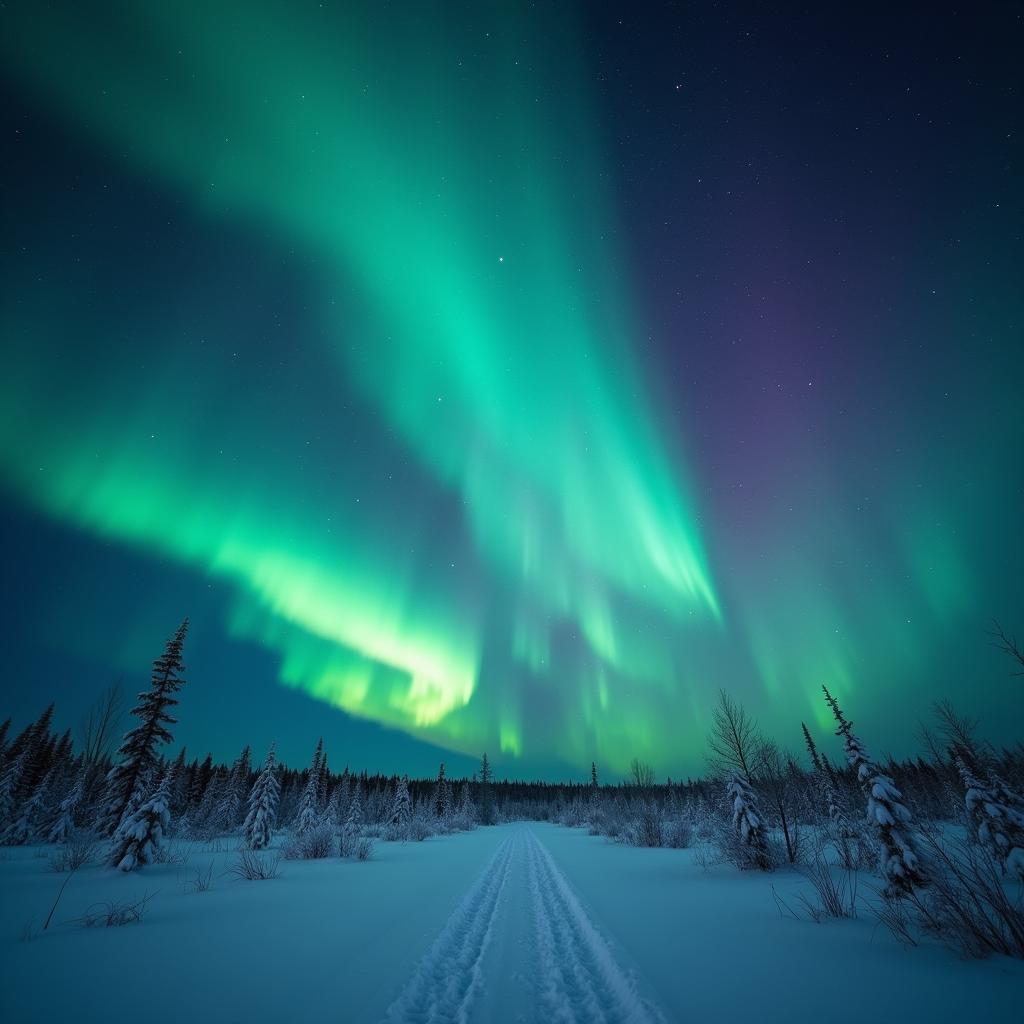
(493, 337)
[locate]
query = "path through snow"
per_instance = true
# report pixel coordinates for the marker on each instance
(570, 973)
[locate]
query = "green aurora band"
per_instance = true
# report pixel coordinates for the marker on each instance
(535, 576)
(493, 338)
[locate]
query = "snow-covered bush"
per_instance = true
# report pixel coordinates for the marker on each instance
(314, 843)
(967, 904)
(677, 833)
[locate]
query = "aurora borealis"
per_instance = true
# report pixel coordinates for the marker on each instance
(510, 378)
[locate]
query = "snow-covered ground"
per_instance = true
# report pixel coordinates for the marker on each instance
(524, 922)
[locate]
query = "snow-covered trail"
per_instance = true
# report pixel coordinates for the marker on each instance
(447, 980)
(520, 946)
(580, 979)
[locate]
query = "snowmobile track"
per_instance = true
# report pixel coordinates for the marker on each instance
(580, 979)
(447, 980)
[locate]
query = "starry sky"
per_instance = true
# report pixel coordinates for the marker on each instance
(511, 376)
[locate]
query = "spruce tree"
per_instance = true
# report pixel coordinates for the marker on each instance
(354, 818)
(10, 781)
(38, 745)
(200, 782)
(229, 812)
(748, 823)
(341, 798)
(442, 795)
(259, 822)
(138, 748)
(812, 748)
(63, 825)
(900, 865)
(486, 796)
(323, 784)
(995, 824)
(309, 806)
(30, 817)
(401, 809)
(140, 835)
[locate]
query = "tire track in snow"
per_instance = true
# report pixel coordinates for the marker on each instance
(580, 981)
(448, 978)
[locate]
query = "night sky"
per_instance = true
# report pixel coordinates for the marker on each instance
(511, 377)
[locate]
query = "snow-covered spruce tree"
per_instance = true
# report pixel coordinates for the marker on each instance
(205, 819)
(200, 782)
(442, 794)
(39, 744)
(232, 802)
(466, 815)
(401, 810)
(308, 816)
(63, 825)
(349, 835)
(748, 824)
(485, 793)
(354, 817)
(259, 822)
(340, 799)
(10, 780)
(323, 784)
(139, 837)
(995, 825)
(31, 816)
(138, 748)
(898, 859)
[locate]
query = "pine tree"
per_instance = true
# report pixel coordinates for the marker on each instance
(309, 806)
(140, 835)
(748, 823)
(138, 748)
(593, 775)
(259, 822)
(997, 825)
(900, 865)
(401, 809)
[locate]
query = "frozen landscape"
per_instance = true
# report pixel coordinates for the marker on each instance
(224, 892)
(516, 922)
(510, 512)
